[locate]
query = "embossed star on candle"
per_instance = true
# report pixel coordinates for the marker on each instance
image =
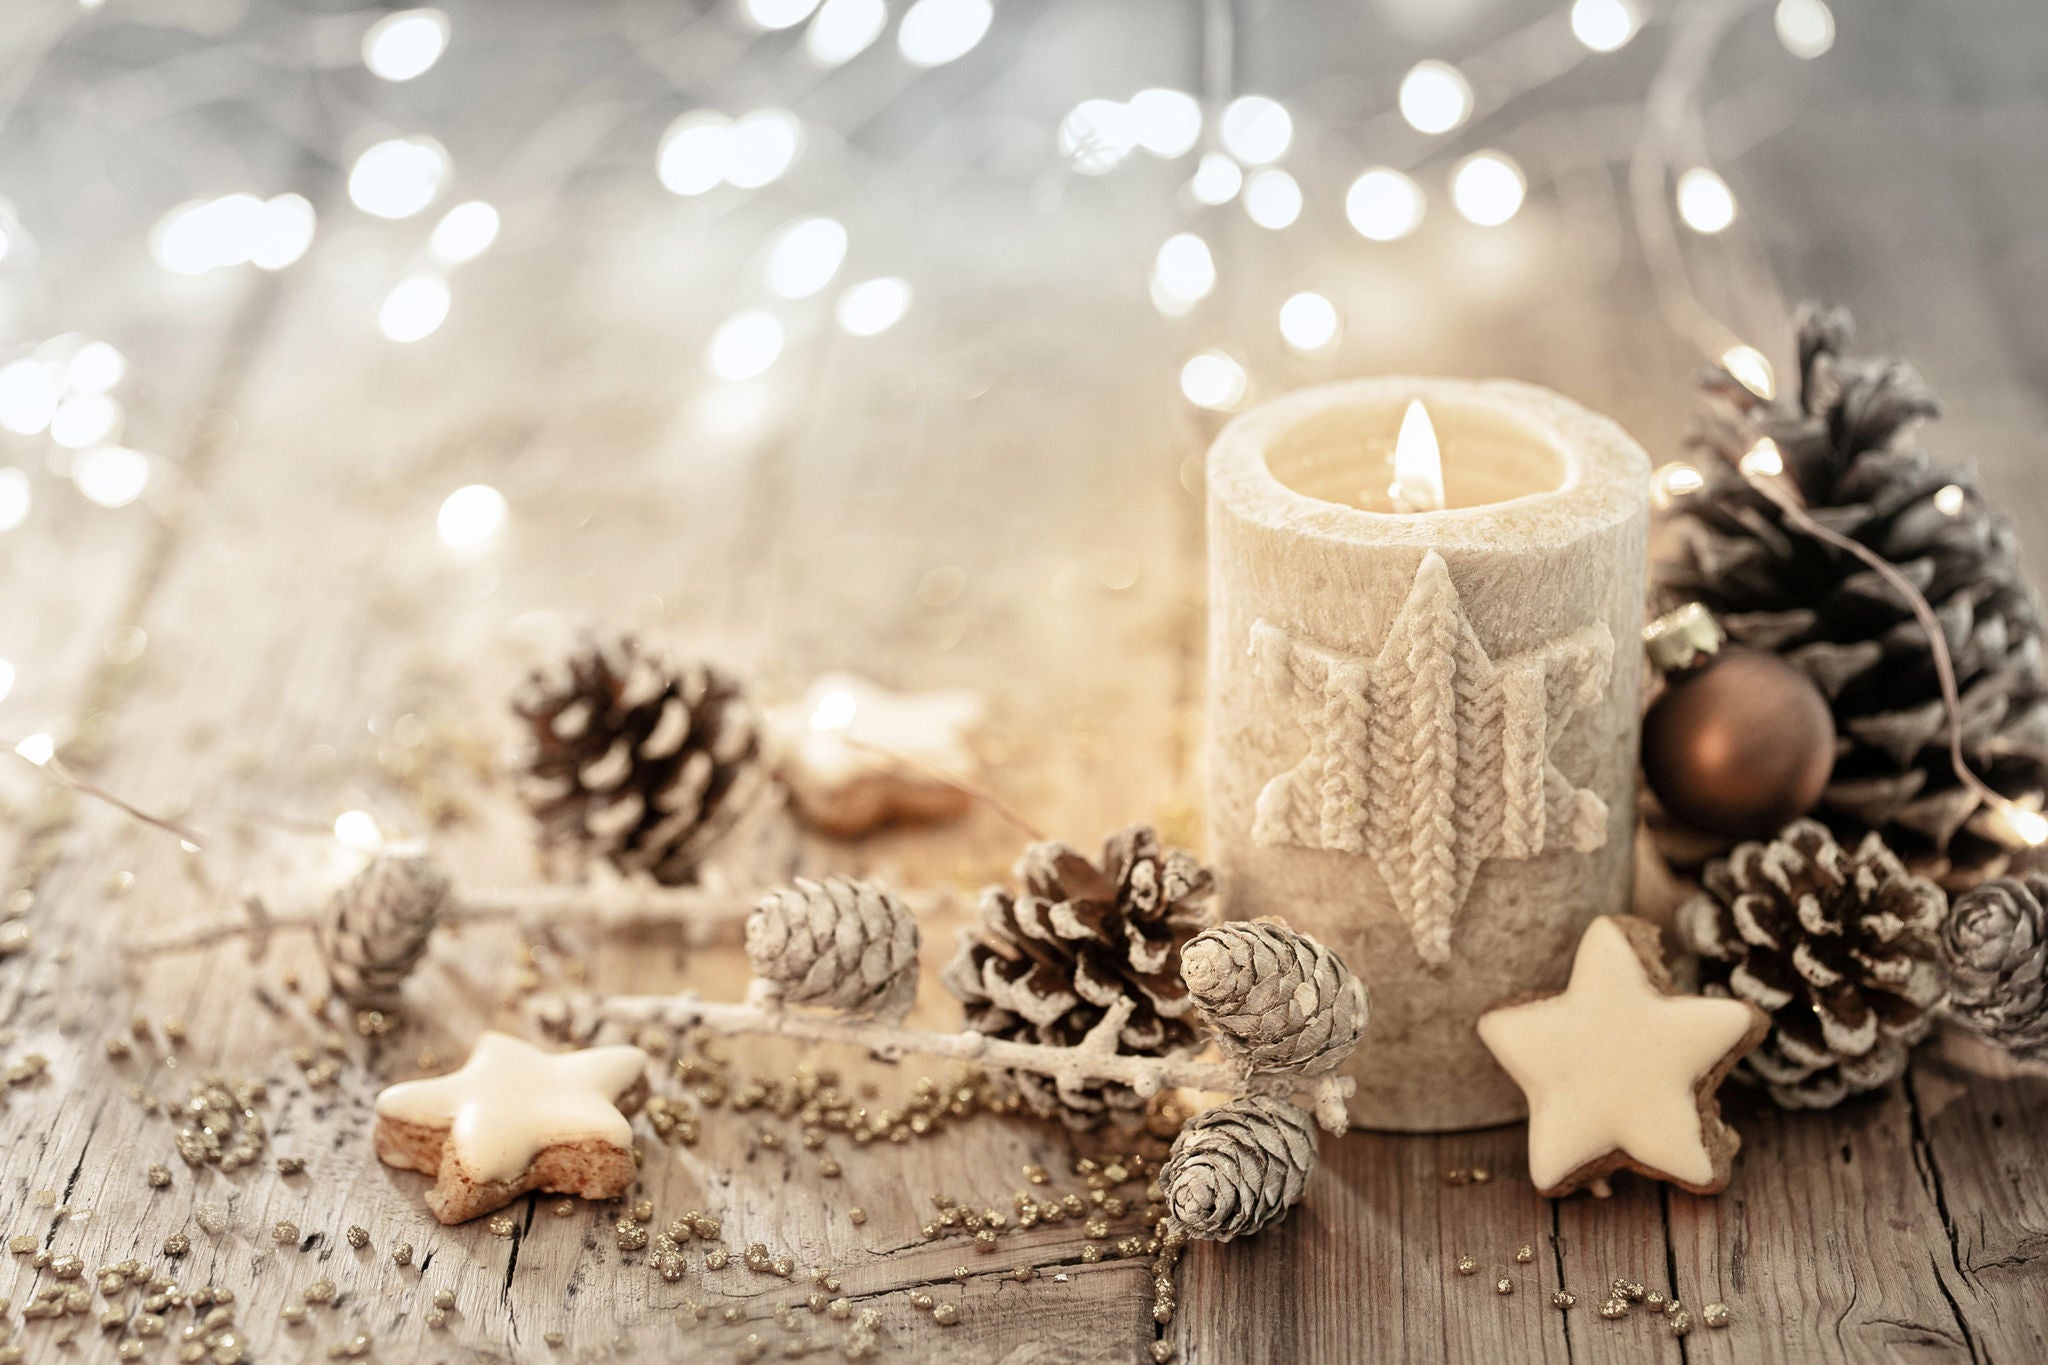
(858, 756)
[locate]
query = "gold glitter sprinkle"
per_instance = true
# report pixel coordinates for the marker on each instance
(1023, 1274)
(294, 1314)
(946, 1314)
(500, 1226)
(402, 1254)
(444, 1299)
(840, 1308)
(553, 1338)
(564, 1207)
(717, 1258)
(1459, 1176)
(1503, 1285)
(284, 1230)
(985, 1240)
(1680, 1322)
(1627, 1289)
(1525, 1253)
(21, 1244)
(1715, 1315)
(856, 1216)
(1466, 1265)
(961, 1273)
(1090, 1255)
(1614, 1308)
(435, 1318)
(320, 1291)
(630, 1235)
(921, 1300)
(158, 1176)
(1162, 1351)
(1563, 1299)
(67, 1267)
(291, 1165)
(1480, 1175)
(177, 1244)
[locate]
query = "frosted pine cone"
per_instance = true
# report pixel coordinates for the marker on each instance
(1838, 948)
(840, 943)
(1278, 1000)
(1238, 1167)
(637, 763)
(378, 924)
(1996, 945)
(1050, 960)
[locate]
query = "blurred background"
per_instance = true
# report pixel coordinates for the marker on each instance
(886, 332)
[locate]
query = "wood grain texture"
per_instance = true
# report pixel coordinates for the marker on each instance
(1002, 493)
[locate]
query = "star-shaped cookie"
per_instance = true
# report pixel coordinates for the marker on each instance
(515, 1119)
(1620, 1071)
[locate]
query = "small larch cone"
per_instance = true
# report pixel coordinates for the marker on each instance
(839, 943)
(1238, 1168)
(1995, 946)
(377, 926)
(1277, 1000)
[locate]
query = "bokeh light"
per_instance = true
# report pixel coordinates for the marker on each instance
(1487, 188)
(1257, 130)
(110, 476)
(401, 46)
(778, 14)
(15, 498)
(1384, 205)
(843, 29)
(471, 518)
(745, 345)
(1704, 200)
(1169, 122)
(1435, 97)
(1309, 323)
(1216, 180)
(398, 177)
(934, 32)
(1605, 25)
(762, 146)
(1805, 27)
(805, 257)
(415, 308)
(1097, 135)
(1272, 198)
(1214, 380)
(873, 306)
(464, 233)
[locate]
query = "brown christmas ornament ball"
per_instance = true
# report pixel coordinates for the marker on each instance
(1740, 745)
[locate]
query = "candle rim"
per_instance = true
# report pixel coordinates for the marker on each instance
(1605, 472)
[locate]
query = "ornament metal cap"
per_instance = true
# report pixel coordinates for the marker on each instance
(1683, 638)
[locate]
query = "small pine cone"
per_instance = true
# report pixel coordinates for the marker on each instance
(843, 944)
(642, 765)
(1996, 945)
(377, 926)
(1278, 1000)
(1238, 1167)
(1839, 949)
(1050, 960)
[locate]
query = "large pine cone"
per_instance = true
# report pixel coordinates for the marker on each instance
(1278, 1000)
(1846, 445)
(641, 765)
(1839, 949)
(1996, 946)
(1238, 1168)
(839, 943)
(1050, 960)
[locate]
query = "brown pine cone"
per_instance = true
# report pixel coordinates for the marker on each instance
(641, 765)
(1838, 948)
(1277, 1000)
(1996, 947)
(1050, 960)
(1850, 445)
(839, 943)
(1238, 1168)
(378, 924)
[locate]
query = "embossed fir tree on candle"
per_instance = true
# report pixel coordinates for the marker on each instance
(1422, 740)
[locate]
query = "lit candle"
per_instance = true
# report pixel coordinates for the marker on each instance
(1422, 730)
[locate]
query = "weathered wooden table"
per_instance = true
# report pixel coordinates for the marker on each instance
(1002, 492)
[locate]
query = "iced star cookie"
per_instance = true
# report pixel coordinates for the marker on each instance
(1620, 1070)
(515, 1119)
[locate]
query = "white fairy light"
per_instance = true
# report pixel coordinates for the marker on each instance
(401, 46)
(282, 233)
(184, 241)
(464, 233)
(1272, 198)
(1487, 188)
(38, 749)
(1704, 200)
(15, 498)
(1763, 460)
(415, 308)
(694, 153)
(1949, 499)
(28, 396)
(873, 306)
(778, 14)
(762, 146)
(834, 712)
(1750, 369)
(1097, 135)
(1169, 121)
(745, 345)
(398, 177)
(804, 257)
(1805, 27)
(1384, 205)
(1606, 25)
(471, 518)
(1257, 130)
(1183, 273)
(1213, 380)
(111, 476)
(934, 32)
(1435, 97)
(85, 419)
(1674, 481)
(1309, 323)
(357, 829)
(843, 29)
(1217, 179)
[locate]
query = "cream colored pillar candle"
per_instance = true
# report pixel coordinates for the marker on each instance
(1423, 724)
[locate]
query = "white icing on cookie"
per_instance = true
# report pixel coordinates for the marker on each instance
(510, 1100)
(1612, 1064)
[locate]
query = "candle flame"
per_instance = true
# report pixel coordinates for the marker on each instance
(1418, 463)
